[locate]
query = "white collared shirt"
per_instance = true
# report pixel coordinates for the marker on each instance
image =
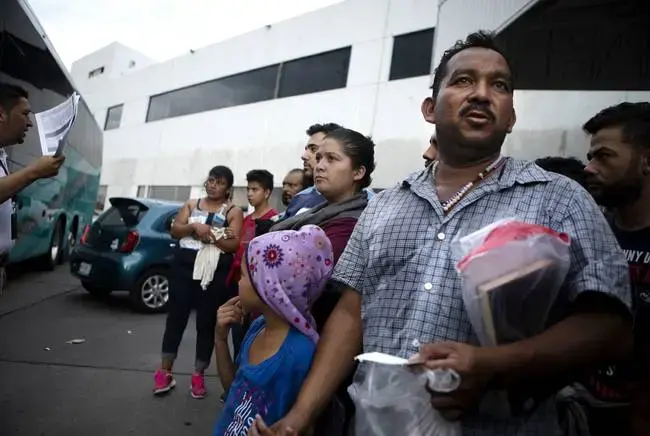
(5, 211)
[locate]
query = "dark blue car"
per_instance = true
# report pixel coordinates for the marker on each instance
(129, 248)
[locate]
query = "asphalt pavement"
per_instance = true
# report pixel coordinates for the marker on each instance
(49, 387)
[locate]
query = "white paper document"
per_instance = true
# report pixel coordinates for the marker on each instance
(440, 380)
(377, 357)
(55, 124)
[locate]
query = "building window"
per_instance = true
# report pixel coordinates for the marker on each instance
(580, 46)
(170, 193)
(412, 55)
(96, 72)
(317, 73)
(113, 117)
(142, 191)
(101, 198)
(250, 87)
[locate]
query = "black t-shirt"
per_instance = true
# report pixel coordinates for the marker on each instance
(612, 383)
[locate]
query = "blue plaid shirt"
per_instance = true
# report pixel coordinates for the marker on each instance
(399, 258)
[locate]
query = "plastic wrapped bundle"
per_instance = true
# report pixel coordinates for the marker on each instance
(391, 398)
(512, 273)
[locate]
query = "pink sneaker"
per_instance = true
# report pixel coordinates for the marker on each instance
(163, 382)
(198, 386)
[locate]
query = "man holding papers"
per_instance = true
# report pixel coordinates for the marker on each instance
(14, 123)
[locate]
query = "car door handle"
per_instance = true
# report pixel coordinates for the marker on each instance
(172, 245)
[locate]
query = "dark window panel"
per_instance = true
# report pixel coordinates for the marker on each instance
(249, 87)
(96, 72)
(170, 193)
(113, 117)
(601, 45)
(412, 55)
(316, 73)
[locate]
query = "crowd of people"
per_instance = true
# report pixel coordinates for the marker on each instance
(344, 270)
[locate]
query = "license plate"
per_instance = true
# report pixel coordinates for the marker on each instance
(84, 268)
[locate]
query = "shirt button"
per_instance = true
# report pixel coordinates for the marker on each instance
(441, 236)
(428, 286)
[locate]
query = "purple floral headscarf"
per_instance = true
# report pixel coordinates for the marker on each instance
(289, 269)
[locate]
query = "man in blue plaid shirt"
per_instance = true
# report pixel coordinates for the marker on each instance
(401, 294)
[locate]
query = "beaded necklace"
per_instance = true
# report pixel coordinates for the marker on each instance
(454, 199)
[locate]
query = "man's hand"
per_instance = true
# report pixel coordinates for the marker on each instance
(471, 363)
(259, 428)
(46, 166)
(228, 314)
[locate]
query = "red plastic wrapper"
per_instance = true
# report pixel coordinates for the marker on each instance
(511, 275)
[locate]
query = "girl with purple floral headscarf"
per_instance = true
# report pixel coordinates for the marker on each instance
(283, 273)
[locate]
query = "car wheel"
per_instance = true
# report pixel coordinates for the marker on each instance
(151, 292)
(95, 290)
(50, 259)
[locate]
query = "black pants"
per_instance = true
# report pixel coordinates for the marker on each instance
(186, 294)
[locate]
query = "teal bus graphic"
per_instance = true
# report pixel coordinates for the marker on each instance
(51, 213)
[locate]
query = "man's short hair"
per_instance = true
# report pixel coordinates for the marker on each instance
(10, 95)
(326, 128)
(480, 39)
(263, 177)
(632, 118)
(567, 166)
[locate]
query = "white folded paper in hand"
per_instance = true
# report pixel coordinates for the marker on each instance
(54, 125)
(439, 380)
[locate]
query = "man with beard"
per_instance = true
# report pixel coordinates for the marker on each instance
(293, 183)
(618, 176)
(398, 269)
(15, 122)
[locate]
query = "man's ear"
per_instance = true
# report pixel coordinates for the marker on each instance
(646, 164)
(3, 115)
(512, 122)
(359, 173)
(428, 106)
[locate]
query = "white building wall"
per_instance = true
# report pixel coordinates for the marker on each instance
(457, 18)
(181, 150)
(549, 123)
